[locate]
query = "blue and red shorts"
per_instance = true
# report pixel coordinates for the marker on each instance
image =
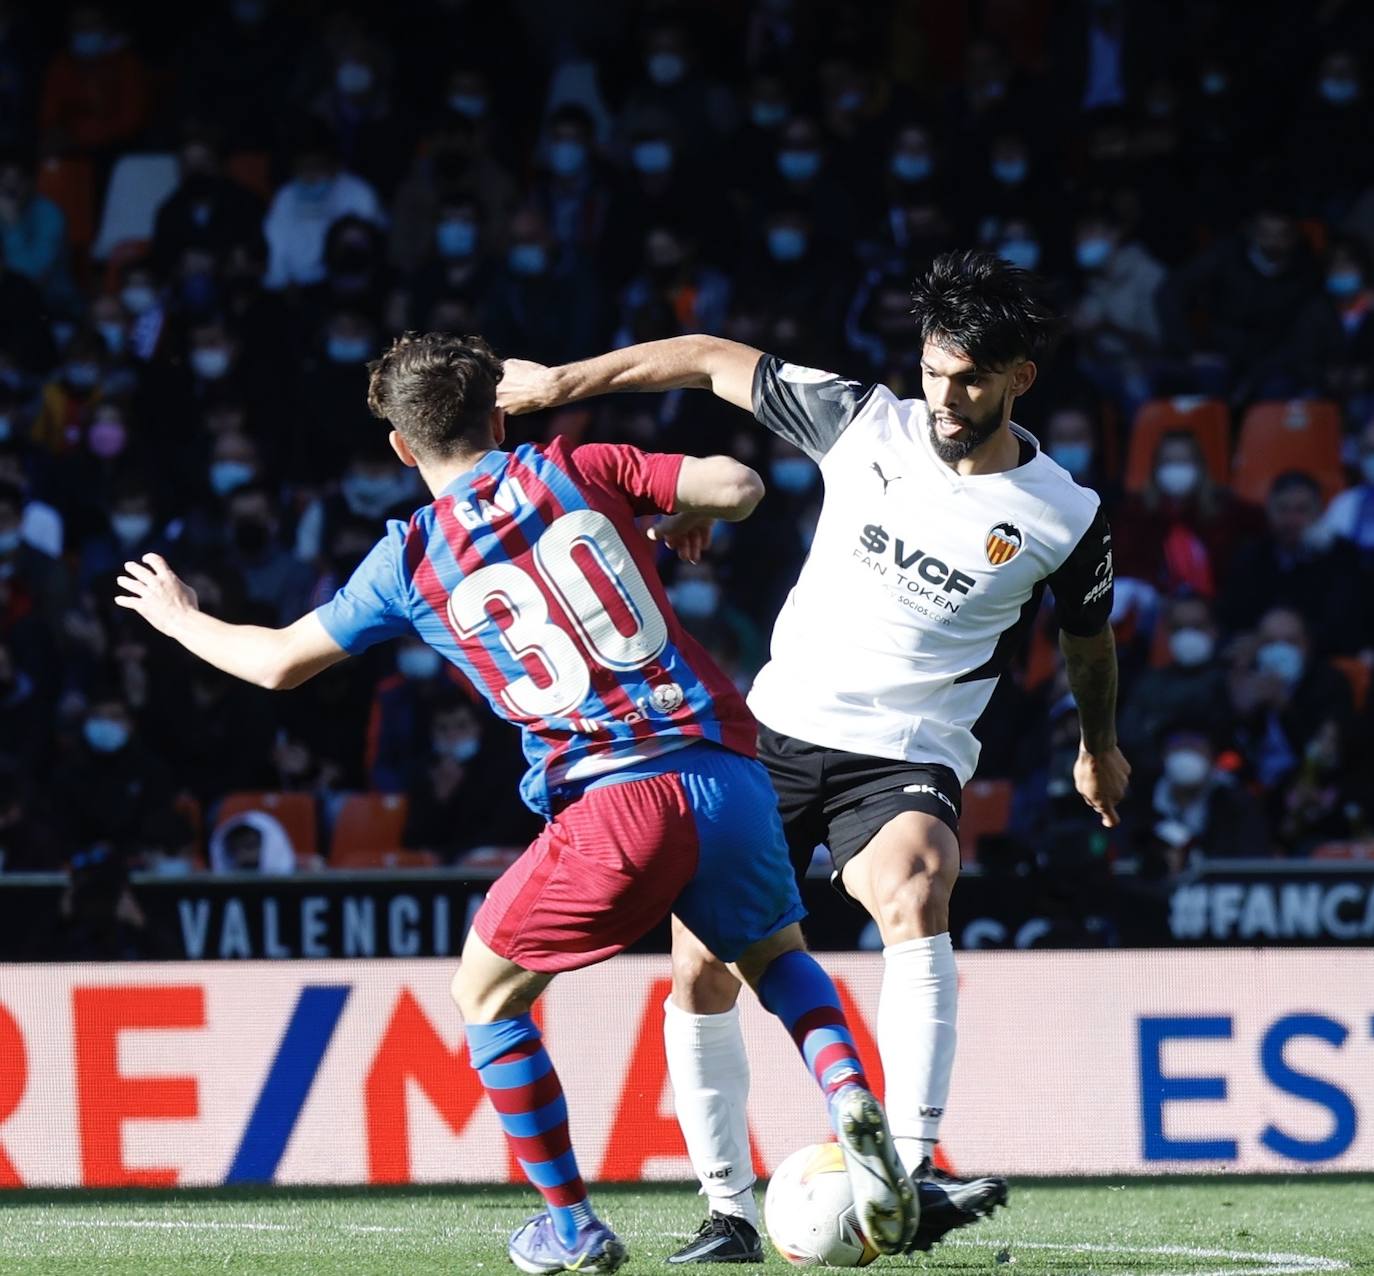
(696, 833)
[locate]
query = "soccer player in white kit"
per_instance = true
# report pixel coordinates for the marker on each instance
(941, 526)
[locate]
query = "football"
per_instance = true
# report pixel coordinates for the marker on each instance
(809, 1211)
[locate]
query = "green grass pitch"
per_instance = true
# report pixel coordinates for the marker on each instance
(1177, 1227)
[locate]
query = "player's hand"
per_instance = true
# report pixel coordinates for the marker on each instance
(156, 592)
(525, 387)
(687, 535)
(1101, 780)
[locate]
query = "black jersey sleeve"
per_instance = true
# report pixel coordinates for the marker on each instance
(806, 406)
(1082, 584)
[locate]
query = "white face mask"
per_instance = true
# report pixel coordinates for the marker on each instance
(418, 662)
(1284, 659)
(1177, 478)
(1186, 768)
(210, 362)
(1191, 647)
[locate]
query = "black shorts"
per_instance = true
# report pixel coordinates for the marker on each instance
(843, 799)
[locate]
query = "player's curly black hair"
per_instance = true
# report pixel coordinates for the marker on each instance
(986, 309)
(437, 390)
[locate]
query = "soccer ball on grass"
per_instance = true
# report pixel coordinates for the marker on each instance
(809, 1211)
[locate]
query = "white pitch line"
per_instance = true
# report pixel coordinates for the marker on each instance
(191, 1224)
(1275, 1264)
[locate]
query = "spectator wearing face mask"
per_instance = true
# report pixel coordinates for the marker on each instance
(41, 524)
(658, 190)
(69, 399)
(1192, 681)
(276, 580)
(801, 182)
(1017, 184)
(671, 84)
(131, 531)
(96, 92)
(458, 261)
(374, 488)
(458, 799)
(208, 209)
(1333, 354)
(319, 193)
(404, 706)
(1328, 137)
(112, 788)
(1350, 516)
(454, 162)
(1181, 533)
(541, 304)
(1283, 694)
(1015, 240)
(711, 617)
(1072, 438)
(1115, 318)
(573, 188)
(1250, 288)
(1294, 564)
(1197, 808)
(372, 134)
(33, 233)
(790, 276)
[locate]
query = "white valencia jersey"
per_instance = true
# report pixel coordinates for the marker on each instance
(921, 582)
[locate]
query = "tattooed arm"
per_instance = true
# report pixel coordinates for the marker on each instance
(1101, 772)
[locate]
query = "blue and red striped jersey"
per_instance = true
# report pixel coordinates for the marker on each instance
(530, 574)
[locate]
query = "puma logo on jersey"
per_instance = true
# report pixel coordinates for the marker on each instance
(878, 470)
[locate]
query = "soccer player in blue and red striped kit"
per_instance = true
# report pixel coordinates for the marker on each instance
(529, 572)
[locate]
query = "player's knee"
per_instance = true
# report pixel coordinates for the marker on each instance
(915, 906)
(701, 984)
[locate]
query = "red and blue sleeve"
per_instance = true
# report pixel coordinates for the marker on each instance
(373, 605)
(648, 480)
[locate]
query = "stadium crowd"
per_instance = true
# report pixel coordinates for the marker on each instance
(211, 218)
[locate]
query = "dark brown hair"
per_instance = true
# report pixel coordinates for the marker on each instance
(437, 391)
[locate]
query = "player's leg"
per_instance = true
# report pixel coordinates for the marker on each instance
(709, 1071)
(495, 996)
(599, 876)
(791, 984)
(704, 1046)
(904, 877)
(743, 904)
(903, 874)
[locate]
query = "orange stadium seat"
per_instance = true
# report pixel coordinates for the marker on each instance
(1297, 434)
(70, 184)
(1208, 419)
(1357, 674)
(368, 822)
(381, 858)
(986, 812)
(252, 169)
(295, 811)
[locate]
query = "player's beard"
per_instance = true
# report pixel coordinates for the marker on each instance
(975, 432)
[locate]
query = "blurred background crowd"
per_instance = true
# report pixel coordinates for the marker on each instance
(212, 216)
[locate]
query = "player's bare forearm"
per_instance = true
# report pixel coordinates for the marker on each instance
(1101, 774)
(277, 659)
(1091, 667)
(695, 362)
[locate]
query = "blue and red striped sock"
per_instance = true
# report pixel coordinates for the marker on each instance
(523, 1087)
(800, 993)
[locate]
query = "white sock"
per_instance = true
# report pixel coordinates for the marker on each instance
(710, 1075)
(917, 1009)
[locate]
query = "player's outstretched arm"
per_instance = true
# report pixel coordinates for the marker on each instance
(696, 362)
(277, 659)
(1101, 771)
